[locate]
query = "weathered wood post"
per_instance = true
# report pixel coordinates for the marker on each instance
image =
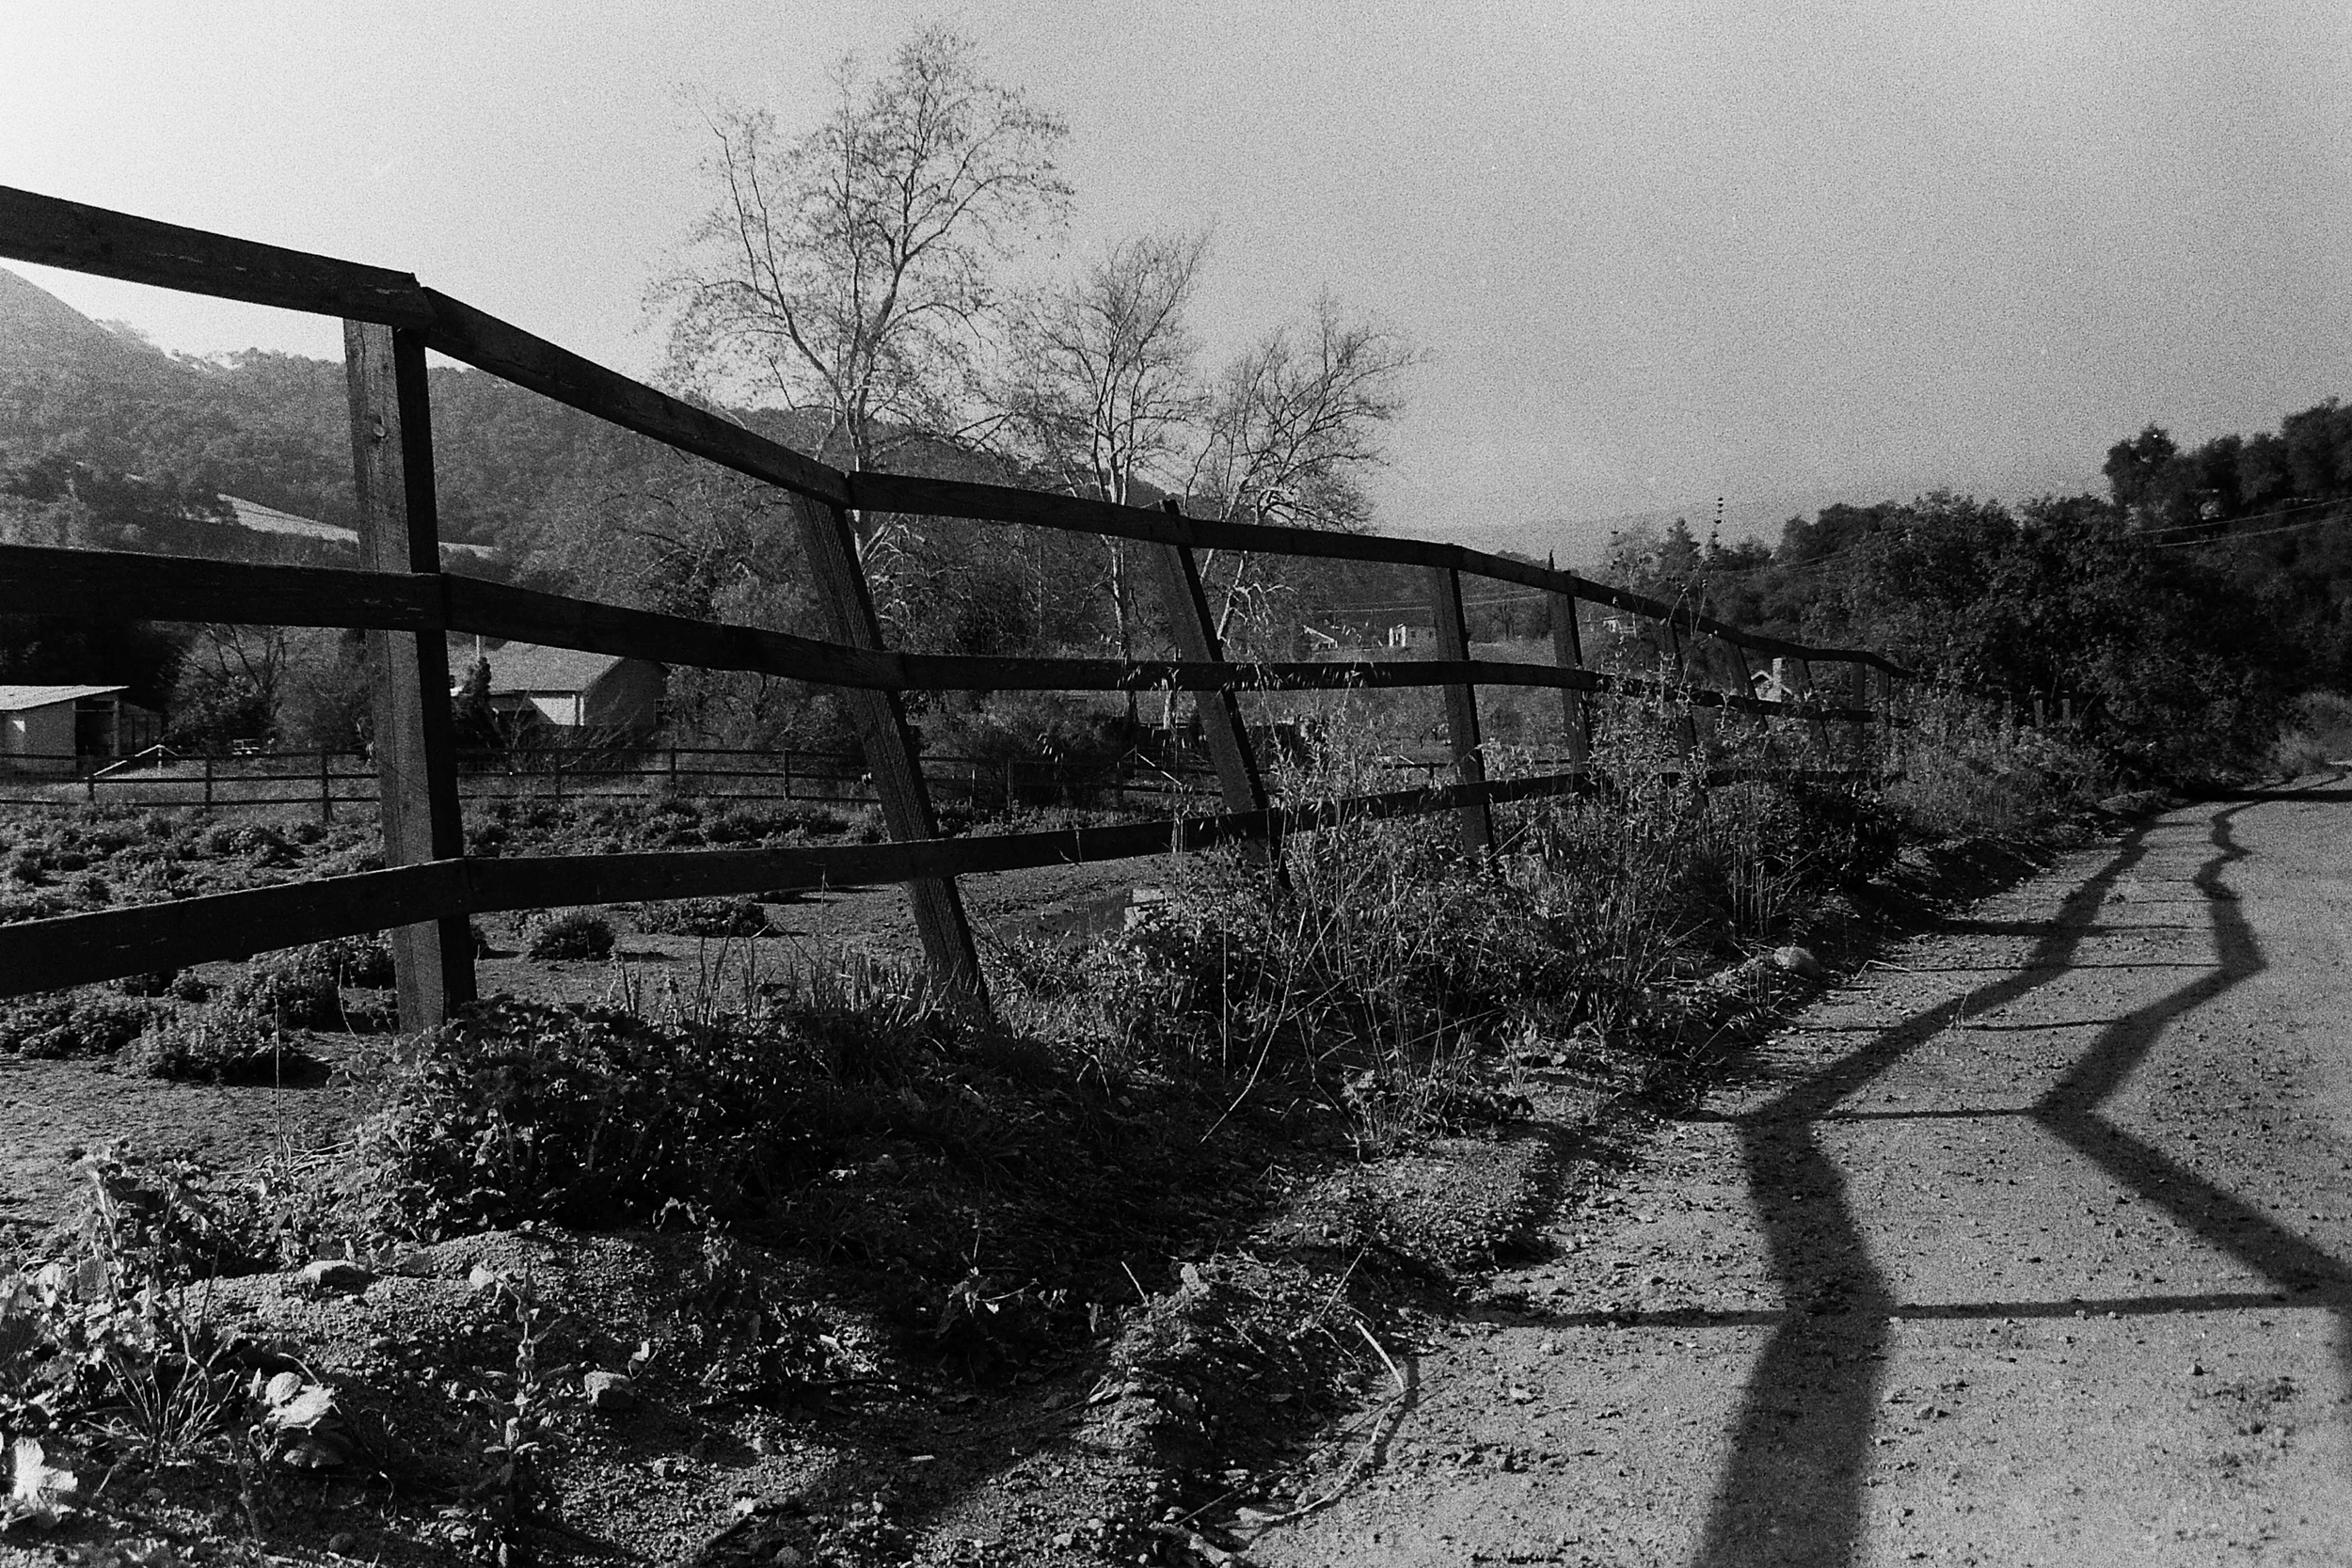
(1568, 652)
(847, 601)
(1812, 696)
(1461, 709)
(1687, 728)
(1184, 600)
(416, 745)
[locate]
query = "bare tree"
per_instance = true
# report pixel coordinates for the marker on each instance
(850, 270)
(1294, 423)
(1103, 390)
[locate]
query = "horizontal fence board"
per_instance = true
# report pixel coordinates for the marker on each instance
(74, 235)
(40, 955)
(497, 609)
(485, 343)
(950, 498)
(59, 233)
(68, 950)
(40, 579)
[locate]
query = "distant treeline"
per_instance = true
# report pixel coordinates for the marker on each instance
(2178, 614)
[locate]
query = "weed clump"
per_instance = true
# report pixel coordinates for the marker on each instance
(589, 1115)
(212, 1045)
(703, 917)
(570, 934)
(75, 1023)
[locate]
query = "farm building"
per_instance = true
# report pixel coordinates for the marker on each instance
(572, 690)
(48, 729)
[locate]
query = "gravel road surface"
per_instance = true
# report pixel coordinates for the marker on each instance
(2026, 1245)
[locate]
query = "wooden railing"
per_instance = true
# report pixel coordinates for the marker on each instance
(406, 604)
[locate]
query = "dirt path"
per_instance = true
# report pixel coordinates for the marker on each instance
(2026, 1247)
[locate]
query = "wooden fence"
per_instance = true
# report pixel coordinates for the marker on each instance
(329, 783)
(408, 603)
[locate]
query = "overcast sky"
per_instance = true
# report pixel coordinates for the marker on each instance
(1659, 252)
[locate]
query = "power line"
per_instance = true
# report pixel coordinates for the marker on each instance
(2259, 533)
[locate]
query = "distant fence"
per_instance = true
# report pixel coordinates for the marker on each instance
(329, 782)
(409, 605)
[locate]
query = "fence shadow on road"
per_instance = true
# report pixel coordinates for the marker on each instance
(1792, 1489)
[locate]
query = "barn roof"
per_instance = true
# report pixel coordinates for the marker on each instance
(518, 668)
(15, 699)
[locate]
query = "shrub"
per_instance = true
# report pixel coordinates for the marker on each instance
(33, 906)
(362, 961)
(75, 1023)
(2318, 733)
(156, 982)
(294, 989)
(215, 1044)
(570, 934)
(703, 917)
(588, 1116)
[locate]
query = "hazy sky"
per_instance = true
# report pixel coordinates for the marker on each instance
(1658, 251)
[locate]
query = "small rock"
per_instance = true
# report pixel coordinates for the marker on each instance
(1066, 1540)
(1799, 961)
(311, 1450)
(2197, 1369)
(612, 1392)
(341, 1542)
(335, 1274)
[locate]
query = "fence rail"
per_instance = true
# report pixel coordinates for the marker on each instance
(327, 779)
(406, 603)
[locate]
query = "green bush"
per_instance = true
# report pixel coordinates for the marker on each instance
(703, 917)
(214, 1044)
(75, 1023)
(570, 934)
(589, 1117)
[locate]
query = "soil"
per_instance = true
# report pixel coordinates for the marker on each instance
(2025, 1245)
(53, 1112)
(2021, 1243)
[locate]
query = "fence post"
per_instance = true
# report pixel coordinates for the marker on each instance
(416, 762)
(848, 604)
(326, 790)
(1185, 599)
(1690, 724)
(1568, 652)
(1821, 725)
(1461, 708)
(208, 783)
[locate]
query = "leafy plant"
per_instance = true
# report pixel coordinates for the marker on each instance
(587, 1115)
(80, 1024)
(703, 917)
(570, 934)
(213, 1045)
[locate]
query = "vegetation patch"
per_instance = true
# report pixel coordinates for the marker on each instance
(702, 917)
(569, 934)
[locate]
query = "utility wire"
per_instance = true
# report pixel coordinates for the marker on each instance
(2259, 533)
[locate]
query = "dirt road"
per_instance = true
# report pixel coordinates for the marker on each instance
(2028, 1245)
